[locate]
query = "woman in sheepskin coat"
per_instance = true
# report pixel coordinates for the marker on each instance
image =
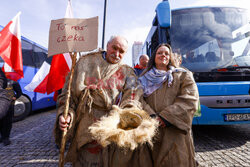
(171, 96)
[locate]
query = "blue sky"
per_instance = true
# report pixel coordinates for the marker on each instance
(130, 18)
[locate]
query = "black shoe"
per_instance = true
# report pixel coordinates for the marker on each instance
(6, 142)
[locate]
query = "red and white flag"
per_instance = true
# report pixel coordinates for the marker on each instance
(11, 50)
(60, 67)
(39, 81)
(51, 77)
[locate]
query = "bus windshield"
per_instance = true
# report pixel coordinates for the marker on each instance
(211, 37)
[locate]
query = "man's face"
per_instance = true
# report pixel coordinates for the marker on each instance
(116, 50)
(144, 61)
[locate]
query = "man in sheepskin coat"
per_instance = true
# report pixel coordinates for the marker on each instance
(99, 80)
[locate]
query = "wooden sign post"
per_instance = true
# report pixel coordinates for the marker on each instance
(71, 36)
(66, 109)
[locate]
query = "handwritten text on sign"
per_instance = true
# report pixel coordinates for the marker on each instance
(73, 35)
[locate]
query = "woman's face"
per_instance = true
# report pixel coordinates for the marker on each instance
(162, 57)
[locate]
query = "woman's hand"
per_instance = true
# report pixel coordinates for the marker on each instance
(64, 124)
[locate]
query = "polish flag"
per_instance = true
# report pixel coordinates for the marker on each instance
(11, 50)
(60, 67)
(51, 77)
(39, 81)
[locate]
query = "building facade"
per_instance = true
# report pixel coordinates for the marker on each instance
(136, 51)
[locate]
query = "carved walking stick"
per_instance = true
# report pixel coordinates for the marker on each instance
(66, 110)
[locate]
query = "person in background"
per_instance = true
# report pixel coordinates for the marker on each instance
(98, 80)
(143, 61)
(178, 59)
(4, 100)
(9, 92)
(171, 96)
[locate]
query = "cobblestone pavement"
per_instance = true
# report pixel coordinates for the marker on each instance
(218, 146)
(33, 144)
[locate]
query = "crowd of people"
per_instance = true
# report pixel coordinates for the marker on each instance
(158, 85)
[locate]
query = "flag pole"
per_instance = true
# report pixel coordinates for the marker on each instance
(66, 109)
(104, 23)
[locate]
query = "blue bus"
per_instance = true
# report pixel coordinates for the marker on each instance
(214, 42)
(33, 57)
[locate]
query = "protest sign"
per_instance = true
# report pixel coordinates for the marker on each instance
(73, 35)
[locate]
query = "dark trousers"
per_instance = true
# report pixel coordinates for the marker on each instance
(6, 123)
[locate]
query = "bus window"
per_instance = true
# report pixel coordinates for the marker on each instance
(208, 19)
(185, 20)
(40, 56)
(27, 54)
(197, 20)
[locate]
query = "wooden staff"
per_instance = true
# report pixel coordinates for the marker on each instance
(66, 110)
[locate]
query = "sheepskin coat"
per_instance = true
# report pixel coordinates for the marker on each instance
(96, 86)
(173, 146)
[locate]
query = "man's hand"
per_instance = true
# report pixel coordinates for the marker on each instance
(64, 124)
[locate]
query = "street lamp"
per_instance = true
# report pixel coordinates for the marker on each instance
(104, 21)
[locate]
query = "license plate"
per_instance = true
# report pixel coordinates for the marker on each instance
(237, 117)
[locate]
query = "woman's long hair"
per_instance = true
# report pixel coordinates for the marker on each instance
(151, 62)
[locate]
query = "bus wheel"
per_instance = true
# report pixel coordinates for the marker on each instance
(22, 108)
